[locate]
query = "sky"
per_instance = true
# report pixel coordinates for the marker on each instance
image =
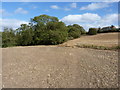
(86, 14)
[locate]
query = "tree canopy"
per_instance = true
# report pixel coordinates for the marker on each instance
(42, 30)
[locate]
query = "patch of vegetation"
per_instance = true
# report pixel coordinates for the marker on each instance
(0, 39)
(108, 29)
(98, 47)
(46, 30)
(42, 30)
(8, 38)
(75, 31)
(92, 31)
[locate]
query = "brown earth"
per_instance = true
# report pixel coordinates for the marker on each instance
(104, 39)
(59, 67)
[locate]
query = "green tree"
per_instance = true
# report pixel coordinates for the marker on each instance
(48, 30)
(82, 30)
(74, 32)
(92, 31)
(44, 19)
(24, 35)
(8, 37)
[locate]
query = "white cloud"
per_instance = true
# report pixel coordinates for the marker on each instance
(95, 6)
(108, 20)
(21, 11)
(12, 23)
(88, 20)
(73, 5)
(54, 7)
(87, 17)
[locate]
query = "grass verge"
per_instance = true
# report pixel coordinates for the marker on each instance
(99, 47)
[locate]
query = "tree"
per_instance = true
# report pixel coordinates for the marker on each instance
(99, 30)
(55, 25)
(24, 35)
(0, 39)
(82, 30)
(73, 32)
(44, 19)
(92, 31)
(8, 37)
(49, 30)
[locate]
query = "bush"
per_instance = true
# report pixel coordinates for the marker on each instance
(24, 35)
(42, 30)
(8, 38)
(82, 30)
(58, 37)
(53, 37)
(74, 33)
(92, 31)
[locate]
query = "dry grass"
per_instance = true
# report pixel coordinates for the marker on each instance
(106, 41)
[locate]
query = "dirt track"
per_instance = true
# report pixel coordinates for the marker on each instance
(59, 67)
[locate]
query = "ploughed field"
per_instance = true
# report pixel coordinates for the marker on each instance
(59, 67)
(103, 39)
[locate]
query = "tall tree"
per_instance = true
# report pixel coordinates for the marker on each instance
(8, 37)
(24, 35)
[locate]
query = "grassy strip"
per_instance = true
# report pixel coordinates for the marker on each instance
(99, 47)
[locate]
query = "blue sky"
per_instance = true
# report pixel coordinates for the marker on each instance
(86, 14)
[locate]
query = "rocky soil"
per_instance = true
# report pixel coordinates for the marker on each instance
(59, 67)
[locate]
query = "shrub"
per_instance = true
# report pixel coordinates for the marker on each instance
(92, 31)
(82, 30)
(8, 38)
(53, 37)
(74, 33)
(58, 37)
(24, 35)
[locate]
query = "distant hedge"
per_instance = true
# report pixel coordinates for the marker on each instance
(92, 31)
(108, 29)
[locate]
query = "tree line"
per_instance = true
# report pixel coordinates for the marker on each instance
(46, 30)
(41, 30)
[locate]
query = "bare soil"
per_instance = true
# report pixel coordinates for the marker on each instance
(59, 67)
(62, 67)
(103, 39)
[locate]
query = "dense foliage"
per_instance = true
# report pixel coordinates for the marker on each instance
(92, 31)
(42, 30)
(75, 31)
(8, 38)
(46, 30)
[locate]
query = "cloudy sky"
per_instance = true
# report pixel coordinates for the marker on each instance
(86, 14)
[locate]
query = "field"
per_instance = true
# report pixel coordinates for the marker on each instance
(106, 40)
(62, 67)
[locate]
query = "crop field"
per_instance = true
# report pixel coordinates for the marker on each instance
(62, 67)
(106, 39)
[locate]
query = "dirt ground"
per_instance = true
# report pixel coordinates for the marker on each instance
(59, 67)
(104, 39)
